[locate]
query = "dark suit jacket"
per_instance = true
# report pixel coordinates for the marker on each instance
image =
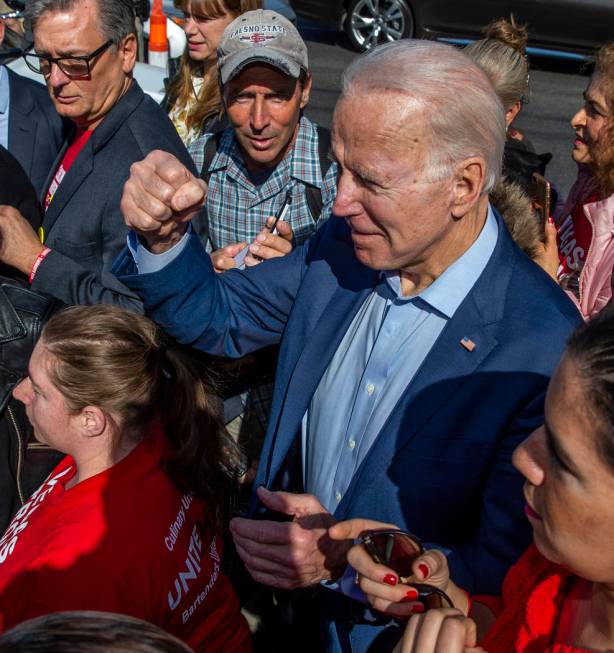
(17, 190)
(441, 465)
(36, 131)
(83, 225)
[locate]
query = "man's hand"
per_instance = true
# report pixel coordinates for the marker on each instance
(439, 631)
(159, 198)
(267, 245)
(292, 554)
(19, 245)
(224, 259)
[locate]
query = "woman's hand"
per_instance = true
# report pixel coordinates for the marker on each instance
(548, 256)
(381, 584)
(439, 631)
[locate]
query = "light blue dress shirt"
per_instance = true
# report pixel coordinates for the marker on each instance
(378, 357)
(4, 107)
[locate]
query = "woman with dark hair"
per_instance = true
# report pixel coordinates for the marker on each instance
(194, 101)
(559, 597)
(128, 521)
(585, 224)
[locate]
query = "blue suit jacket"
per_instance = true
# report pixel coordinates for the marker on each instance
(440, 466)
(36, 131)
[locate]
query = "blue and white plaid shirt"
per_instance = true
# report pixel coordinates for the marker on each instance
(237, 209)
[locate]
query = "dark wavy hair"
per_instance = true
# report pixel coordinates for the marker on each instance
(604, 151)
(119, 361)
(591, 347)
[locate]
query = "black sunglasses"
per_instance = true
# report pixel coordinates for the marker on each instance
(76, 67)
(398, 550)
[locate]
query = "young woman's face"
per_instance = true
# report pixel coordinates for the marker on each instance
(204, 32)
(45, 405)
(569, 488)
(589, 121)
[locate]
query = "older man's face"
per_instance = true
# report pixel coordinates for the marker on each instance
(397, 218)
(76, 32)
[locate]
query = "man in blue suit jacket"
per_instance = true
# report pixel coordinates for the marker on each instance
(416, 339)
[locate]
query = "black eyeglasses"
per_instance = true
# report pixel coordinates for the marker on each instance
(399, 550)
(77, 67)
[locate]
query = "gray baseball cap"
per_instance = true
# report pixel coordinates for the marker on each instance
(261, 36)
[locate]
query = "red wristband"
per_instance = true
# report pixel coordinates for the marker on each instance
(39, 259)
(469, 603)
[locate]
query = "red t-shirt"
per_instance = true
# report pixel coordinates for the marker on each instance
(125, 541)
(574, 237)
(68, 159)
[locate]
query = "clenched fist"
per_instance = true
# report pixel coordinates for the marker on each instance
(160, 198)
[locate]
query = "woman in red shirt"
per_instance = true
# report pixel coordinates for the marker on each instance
(559, 598)
(129, 521)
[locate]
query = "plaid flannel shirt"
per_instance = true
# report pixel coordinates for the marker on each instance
(237, 210)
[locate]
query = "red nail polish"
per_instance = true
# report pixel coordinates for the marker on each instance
(390, 579)
(411, 594)
(417, 609)
(424, 570)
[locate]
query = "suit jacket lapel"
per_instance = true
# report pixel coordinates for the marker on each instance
(328, 319)
(79, 171)
(83, 164)
(447, 367)
(22, 131)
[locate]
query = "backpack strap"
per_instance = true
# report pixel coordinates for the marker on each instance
(211, 148)
(313, 193)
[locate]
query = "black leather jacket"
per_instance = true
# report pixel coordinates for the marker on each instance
(24, 462)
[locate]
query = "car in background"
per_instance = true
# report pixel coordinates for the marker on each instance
(567, 28)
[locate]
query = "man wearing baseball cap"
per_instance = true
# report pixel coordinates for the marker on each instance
(270, 147)
(270, 155)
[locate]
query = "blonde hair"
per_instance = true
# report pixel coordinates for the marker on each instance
(502, 56)
(181, 92)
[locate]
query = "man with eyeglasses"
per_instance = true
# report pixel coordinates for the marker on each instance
(86, 51)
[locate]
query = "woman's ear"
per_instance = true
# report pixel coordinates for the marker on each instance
(93, 422)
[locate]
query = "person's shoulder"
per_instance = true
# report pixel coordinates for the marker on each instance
(535, 304)
(38, 92)
(150, 129)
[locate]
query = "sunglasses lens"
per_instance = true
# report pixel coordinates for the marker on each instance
(397, 551)
(433, 601)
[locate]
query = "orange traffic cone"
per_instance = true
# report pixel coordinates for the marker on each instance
(158, 43)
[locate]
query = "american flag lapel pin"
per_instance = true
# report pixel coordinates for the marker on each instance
(469, 345)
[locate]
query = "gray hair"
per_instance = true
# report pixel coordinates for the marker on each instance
(463, 115)
(507, 69)
(116, 16)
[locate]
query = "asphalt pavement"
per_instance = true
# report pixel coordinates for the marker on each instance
(556, 94)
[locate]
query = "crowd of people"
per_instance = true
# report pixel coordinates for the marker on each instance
(266, 385)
